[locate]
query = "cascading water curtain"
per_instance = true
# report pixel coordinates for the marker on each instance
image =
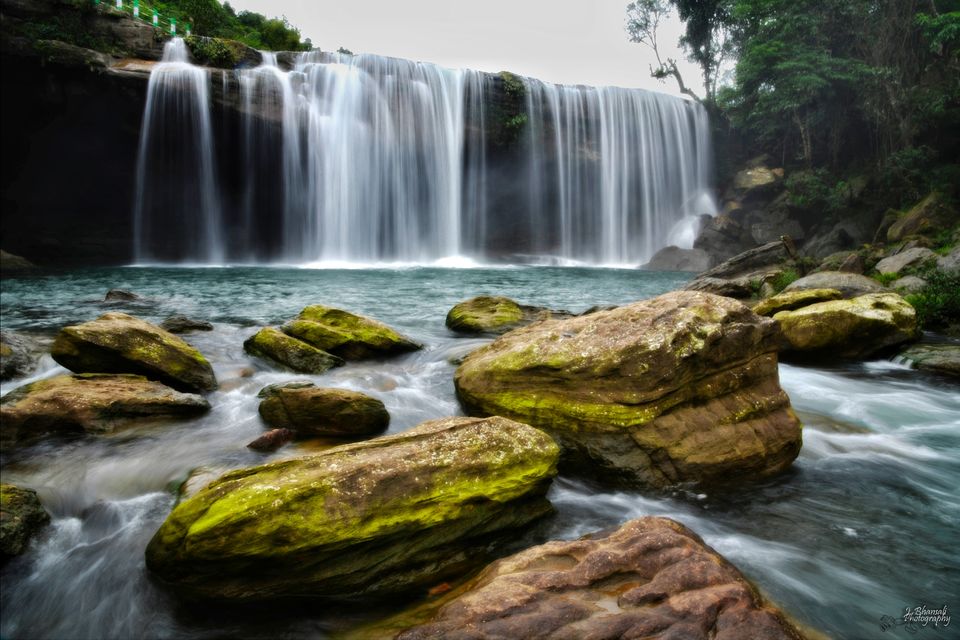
(373, 159)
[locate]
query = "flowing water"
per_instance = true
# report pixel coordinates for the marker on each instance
(370, 159)
(862, 526)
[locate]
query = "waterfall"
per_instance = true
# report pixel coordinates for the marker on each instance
(373, 159)
(177, 215)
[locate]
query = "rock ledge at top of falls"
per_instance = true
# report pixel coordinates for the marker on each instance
(21, 516)
(120, 343)
(650, 578)
(89, 403)
(495, 315)
(387, 515)
(679, 388)
(347, 335)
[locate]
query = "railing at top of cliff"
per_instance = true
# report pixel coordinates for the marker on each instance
(163, 23)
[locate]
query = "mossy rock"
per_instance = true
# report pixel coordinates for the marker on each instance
(21, 516)
(849, 285)
(379, 517)
(17, 355)
(315, 411)
(931, 215)
(276, 346)
(89, 403)
(120, 343)
(495, 315)
(856, 328)
(347, 335)
(936, 358)
(680, 388)
(794, 300)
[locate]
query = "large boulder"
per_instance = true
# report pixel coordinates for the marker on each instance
(495, 315)
(10, 263)
(854, 328)
(273, 344)
(680, 388)
(89, 403)
(119, 343)
(950, 262)
(347, 335)
(677, 259)
(848, 284)
(738, 276)
(722, 237)
(913, 258)
(315, 411)
(21, 516)
(791, 300)
(651, 578)
(932, 214)
(386, 515)
(17, 355)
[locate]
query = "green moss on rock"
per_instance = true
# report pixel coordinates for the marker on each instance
(679, 388)
(379, 516)
(278, 347)
(856, 328)
(21, 516)
(316, 411)
(347, 335)
(791, 300)
(119, 343)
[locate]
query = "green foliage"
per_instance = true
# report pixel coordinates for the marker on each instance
(509, 114)
(784, 279)
(214, 52)
(886, 278)
(344, 51)
(816, 191)
(513, 86)
(938, 305)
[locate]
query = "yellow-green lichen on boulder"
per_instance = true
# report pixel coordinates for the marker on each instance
(21, 516)
(494, 314)
(680, 388)
(89, 403)
(929, 216)
(317, 411)
(120, 343)
(790, 300)
(381, 516)
(855, 328)
(276, 346)
(347, 335)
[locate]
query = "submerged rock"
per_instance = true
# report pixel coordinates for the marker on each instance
(119, 343)
(315, 411)
(854, 328)
(89, 403)
(275, 345)
(183, 324)
(848, 284)
(938, 358)
(347, 335)
(496, 315)
(16, 355)
(651, 578)
(120, 295)
(272, 440)
(381, 516)
(679, 388)
(21, 516)
(11, 263)
(791, 300)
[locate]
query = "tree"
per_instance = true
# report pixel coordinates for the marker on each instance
(706, 39)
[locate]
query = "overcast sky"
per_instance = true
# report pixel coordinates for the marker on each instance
(560, 41)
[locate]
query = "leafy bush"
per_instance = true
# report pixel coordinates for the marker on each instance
(213, 52)
(784, 279)
(886, 278)
(938, 305)
(816, 191)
